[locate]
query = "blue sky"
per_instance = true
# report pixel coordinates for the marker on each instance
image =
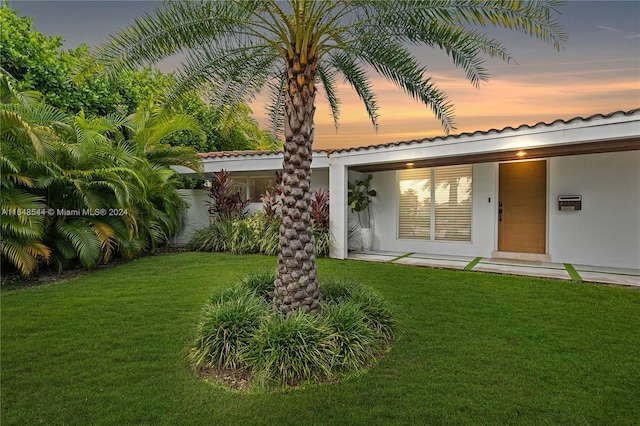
(597, 72)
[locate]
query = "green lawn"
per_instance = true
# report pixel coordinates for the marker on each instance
(110, 348)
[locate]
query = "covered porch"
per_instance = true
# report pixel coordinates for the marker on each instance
(593, 159)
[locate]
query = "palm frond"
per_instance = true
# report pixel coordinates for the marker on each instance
(235, 45)
(24, 256)
(167, 155)
(236, 74)
(463, 46)
(533, 18)
(8, 161)
(103, 228)
(40, 137)
(357, 77)
(91, 131)
(394, 62)
(174, 27)
(328, 80)
(41, 114)
(275, 106)
(9, 94)
(166, 126)
(83, 239)
(16, 222)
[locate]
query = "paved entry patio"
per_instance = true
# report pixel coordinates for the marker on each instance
(594, 274)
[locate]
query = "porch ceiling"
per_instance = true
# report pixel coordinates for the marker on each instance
(631, 144)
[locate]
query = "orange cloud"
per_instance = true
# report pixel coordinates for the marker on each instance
(504, 101)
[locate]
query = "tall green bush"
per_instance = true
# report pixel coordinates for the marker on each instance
(72, 80)
(83, 188)
(289, 350)
(39, 63)
(229, 321)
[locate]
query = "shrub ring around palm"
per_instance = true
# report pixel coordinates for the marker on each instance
(243, 344)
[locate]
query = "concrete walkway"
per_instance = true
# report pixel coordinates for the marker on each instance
(593, 274)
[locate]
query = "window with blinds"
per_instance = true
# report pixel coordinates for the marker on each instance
(453, 203)
(414, 210)
(435, 203)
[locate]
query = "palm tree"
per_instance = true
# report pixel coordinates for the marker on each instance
(51, 163)
(295, 46)
(118, 167)
(146, 132)
(28, 141)
(148, 129)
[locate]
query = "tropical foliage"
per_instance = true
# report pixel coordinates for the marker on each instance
(256, 233)
(84, 188)
(27, 143)
(233, 230)
(228, 127)
(240, 334)
(225, 202)
(296, 47)
(71, 81)
(38, 62)
(359, 198)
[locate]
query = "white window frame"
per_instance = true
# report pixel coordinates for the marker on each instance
(435, 232)
(245, 183)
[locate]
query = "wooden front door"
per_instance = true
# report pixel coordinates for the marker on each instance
(522, 208)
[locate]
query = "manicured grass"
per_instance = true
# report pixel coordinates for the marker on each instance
(575, 276)
(110, 348)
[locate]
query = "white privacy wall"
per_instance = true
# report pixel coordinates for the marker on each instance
(196, 216)
(483, 228)
(606, 232)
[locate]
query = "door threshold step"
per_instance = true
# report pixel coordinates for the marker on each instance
(527, 257)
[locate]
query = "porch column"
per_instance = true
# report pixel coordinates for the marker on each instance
(338, 214)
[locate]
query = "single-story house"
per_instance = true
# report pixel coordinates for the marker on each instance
(565, 191)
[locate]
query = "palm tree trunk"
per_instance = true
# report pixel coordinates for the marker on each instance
(296, 282)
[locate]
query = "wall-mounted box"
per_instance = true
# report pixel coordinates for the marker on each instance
(569, 202)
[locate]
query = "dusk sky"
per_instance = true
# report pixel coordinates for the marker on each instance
(598, 71)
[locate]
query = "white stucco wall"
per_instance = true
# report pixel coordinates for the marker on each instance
(196, 216)
(320, 178)
(338, 209)
(606, 232)
(385, 217)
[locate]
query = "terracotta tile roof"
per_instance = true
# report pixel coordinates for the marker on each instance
(416, 141)
(236, 154)
(491, 131)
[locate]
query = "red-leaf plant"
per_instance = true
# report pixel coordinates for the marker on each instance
(225, 204)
